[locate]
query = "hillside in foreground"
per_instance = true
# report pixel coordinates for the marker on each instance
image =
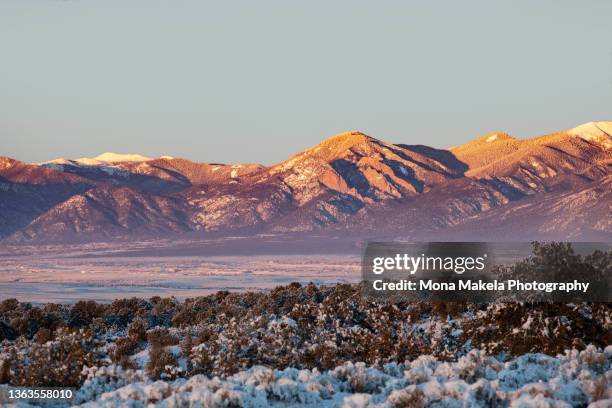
(310, 345)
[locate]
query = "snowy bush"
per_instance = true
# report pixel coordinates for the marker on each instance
(532, 380)
(311, 345)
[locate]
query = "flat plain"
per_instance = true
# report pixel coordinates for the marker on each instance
(104, 273)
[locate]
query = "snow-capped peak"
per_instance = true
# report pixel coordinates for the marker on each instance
(598, 132)
(61, 160)
(104, 159)
(109, 157)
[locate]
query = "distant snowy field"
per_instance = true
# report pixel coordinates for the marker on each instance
(54, 278)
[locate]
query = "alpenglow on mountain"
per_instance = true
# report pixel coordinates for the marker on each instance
(496, 187)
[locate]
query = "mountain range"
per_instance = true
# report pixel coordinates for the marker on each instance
(496, 187)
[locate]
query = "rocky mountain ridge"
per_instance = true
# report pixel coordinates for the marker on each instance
(556, 185)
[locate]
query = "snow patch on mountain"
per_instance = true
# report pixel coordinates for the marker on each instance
(597, 132)
(60, 161)
(109, 157)
(103, 159)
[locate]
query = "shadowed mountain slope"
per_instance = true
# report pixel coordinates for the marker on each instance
(551, 185)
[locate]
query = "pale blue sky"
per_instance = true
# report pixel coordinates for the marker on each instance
(235, 81)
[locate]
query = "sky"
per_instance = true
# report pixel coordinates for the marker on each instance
(257, 81)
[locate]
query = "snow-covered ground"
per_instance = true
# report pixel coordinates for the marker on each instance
(298, 345)
(104, 278)
(575, 379)
(216, 357)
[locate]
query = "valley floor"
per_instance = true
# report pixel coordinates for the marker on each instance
(68, 278)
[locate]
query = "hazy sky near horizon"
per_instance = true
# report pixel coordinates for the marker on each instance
(257, 81)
